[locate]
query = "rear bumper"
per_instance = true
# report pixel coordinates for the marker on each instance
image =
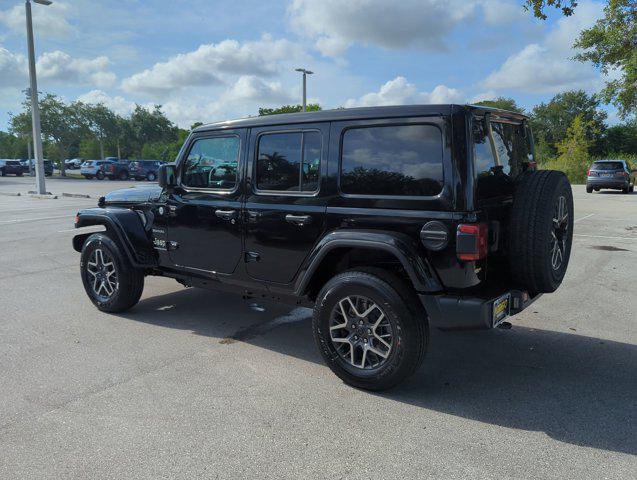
(607, 182)
(453, 312)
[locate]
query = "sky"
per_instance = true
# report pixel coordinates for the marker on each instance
(207, 60)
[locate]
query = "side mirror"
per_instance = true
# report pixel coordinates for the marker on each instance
(166, 176)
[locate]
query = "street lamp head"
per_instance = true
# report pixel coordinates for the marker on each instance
(302, 70)
(43, 2)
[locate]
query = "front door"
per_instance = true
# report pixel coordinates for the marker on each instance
(204, 228)
(284, 209)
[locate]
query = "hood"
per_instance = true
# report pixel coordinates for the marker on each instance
(132, 196)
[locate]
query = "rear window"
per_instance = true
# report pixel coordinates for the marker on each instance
(392, 160)
(608, 166)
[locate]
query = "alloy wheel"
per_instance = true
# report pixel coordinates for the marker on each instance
(103, 274)
(559, 233)
(361, 332)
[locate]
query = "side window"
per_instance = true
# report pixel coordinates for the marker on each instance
(212, 163)
(392, 160)
(289, 162)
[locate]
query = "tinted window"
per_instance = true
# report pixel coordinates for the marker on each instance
(608, 166)
(513, 152)
(212, 163)
(289, 162)
(392, 160)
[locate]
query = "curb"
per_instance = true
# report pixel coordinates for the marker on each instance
(75, 195)
(10, 194)
(47, 196)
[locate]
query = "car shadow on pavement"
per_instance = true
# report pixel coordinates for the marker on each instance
(576, 389)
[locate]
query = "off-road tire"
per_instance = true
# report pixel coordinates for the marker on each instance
(532, 230)
(130, 279)
(407, 319)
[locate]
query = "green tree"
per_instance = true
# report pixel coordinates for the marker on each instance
(538, 7)
(312, 107)
(611, 45)
(573, 151)
(90, 149)
(552, 120)
(62, 125)
(502, 103)
(102, 124)
(150, 126)
(621, 138)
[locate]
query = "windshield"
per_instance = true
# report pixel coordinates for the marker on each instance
(608, 166)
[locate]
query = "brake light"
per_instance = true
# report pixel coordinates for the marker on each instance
(472, 241)
(591, 173)
(621, 174)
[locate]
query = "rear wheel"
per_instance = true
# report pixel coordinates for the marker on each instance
(368, 334)
(151, 176)
(110, 281)
(100, 175)
(589, 189)
(123, 175)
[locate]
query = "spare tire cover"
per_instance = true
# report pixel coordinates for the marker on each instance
(541, 230)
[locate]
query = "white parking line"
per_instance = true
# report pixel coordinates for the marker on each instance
(605, 236)
(584, 217)
(26, 220)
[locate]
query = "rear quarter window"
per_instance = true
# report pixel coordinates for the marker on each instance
(392, 160)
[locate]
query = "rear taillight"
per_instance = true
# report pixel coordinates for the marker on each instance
(472, 241)
(621, 174)
(112, 168)
(591, 173)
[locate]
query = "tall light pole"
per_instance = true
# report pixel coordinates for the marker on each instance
(305, 74)
(35, 107)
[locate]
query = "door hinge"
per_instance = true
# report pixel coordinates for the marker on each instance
(252, 257)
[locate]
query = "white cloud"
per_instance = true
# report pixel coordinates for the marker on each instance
(546, 66)
(335, 24)
(118, 104)
(499, 12)
(253, 89)
(12, 69)
(206, 65)
(400, 92)
(50, 21)
(61, 67)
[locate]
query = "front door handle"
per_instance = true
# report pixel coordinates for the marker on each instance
(299, 220)
(226, 214)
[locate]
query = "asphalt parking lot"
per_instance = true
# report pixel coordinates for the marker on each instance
(194, 384)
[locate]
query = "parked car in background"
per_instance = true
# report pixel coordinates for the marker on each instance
(118, 170)
(73, 163)
(613, 174)
(144, 169)
(11, 167)
(95, 168)
(48, 167)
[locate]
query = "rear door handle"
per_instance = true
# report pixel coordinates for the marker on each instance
(299, 220)
(226, 214)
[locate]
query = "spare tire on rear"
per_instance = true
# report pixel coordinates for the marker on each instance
(541, 230)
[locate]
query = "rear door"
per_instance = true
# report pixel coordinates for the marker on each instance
(284, 209)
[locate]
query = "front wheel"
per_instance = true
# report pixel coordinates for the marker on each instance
(151, 177)
(368, 334)
(111, 282)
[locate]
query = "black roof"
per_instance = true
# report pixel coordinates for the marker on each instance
(343, 114)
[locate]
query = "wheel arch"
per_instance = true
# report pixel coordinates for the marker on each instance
(125, 226)
(334, 253)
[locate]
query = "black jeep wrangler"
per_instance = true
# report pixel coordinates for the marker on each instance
(387, 220)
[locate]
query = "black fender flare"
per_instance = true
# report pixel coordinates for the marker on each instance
(127, 226)
(403, 247)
